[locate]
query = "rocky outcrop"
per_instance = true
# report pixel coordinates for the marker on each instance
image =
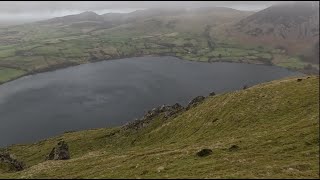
(194, 102)
(168, 111)
(13, 163)
(59, 152)
(172, 110)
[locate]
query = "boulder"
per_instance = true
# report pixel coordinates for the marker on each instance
(204, 152)
(212, 94)
(194, 102)
(59, 152)
(234, 148)
(13, 163)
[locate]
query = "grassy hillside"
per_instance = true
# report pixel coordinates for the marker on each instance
(275, 125)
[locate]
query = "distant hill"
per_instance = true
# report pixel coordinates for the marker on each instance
(294, 26)
(85, 22)
(85, 16)
(290, 20)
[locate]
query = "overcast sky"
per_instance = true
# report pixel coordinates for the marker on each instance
(25, 11)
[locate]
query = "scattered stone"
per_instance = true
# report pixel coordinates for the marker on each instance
(196, 101)
(60, 152)
(204, 152)
(299, 80)
(234, 148)
(168, 111)
(290, 169)
(214, 120)
(172, 110)
(212, 94)
(159, 169)
(14, 164)
(135, 125)
(71, 131)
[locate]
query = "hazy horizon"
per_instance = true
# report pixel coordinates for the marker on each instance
(17, 12)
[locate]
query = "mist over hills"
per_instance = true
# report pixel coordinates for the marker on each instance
(285, 35)
(270, 130)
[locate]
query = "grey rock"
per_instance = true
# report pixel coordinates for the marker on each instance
(168, 111)
(196, 101)
(212, 94)
(14, 164)
(204, 152)
(59, 152)
(234, 148)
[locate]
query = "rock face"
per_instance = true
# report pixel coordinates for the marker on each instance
(60, 152)
(14, 164)
(168, 111)
(194, 102)
(204, 152)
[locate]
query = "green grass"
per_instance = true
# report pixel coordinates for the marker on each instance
(7, 53)
(7, 74)
(292, 62)
(275, 124)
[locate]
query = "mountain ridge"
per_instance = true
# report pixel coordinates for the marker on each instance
(294, 26)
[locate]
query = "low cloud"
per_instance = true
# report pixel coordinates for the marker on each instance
(11, 11)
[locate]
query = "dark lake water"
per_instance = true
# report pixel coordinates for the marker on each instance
(111, 93)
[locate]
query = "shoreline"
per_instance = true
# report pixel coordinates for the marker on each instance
(133, 120)
(68, 65)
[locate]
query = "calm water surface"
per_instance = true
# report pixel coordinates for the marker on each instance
(111, 93)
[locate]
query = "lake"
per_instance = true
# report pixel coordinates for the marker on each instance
(111, 93)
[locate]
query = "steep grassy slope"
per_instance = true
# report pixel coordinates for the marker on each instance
(275, 124)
